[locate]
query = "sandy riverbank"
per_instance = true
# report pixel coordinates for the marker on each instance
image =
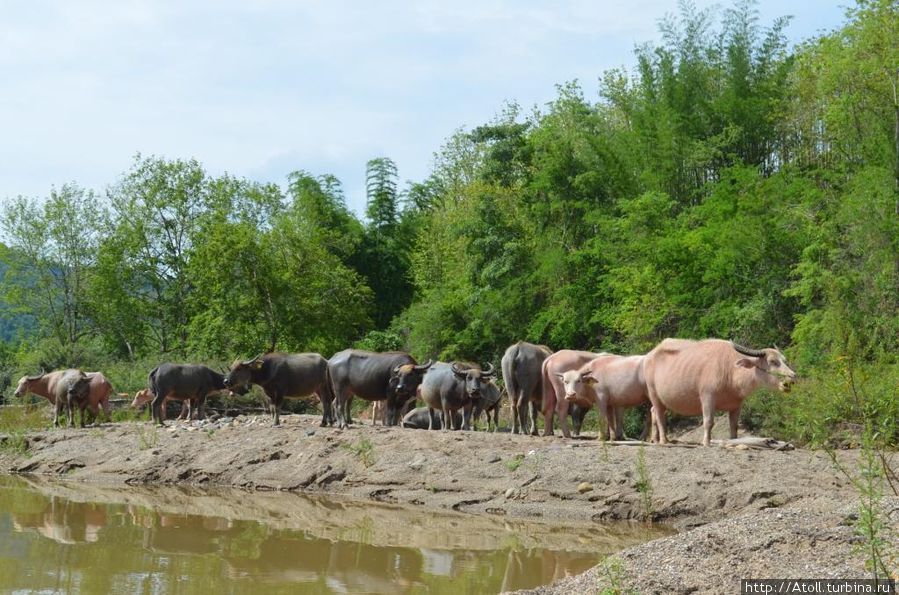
(740, 513)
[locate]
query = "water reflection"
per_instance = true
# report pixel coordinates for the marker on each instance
(79, 537)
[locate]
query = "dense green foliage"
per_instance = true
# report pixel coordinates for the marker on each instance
(727, 186)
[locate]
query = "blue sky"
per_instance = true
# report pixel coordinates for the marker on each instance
(262, 88)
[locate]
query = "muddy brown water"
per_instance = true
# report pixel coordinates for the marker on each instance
(73, 537)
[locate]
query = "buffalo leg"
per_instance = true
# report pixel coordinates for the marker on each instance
(348, 408)
(562, 411)
(532, 406)
(70, 413)
(514, 409)
(58, 410)
(340, 398)
(619, 423)
(734, 419)
(466, 417)
(520, 413)
(431, 414)
(275, 407)
(658, 413)
(448, 421)
(708, 418)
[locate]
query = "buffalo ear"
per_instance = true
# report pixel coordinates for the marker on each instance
(256, 364)
(589, 380)
(745, 362)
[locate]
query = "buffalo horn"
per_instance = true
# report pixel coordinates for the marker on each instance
(33, 378)
(488, 371)
(250, 361)
(424, 366)
(457, 370)
(747, 351)
(396, 370)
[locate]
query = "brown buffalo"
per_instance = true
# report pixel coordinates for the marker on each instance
(701, 377)
(44, 384)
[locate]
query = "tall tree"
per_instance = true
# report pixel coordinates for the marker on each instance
(53, 246)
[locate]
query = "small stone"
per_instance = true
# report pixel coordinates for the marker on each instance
(532, 453)
(494, 459)
(310, 432)
(192, 428)
(584, 487)
(511, 493)
(741, 447)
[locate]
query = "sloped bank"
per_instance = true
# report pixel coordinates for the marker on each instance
(752, 513)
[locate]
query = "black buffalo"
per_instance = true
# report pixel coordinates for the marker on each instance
(284, 375)
(522, 376)
(393, 376)
(491, 398)
(192, 382)
(419, 419)
(450, 387)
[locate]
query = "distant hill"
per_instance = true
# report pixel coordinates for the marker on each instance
(12, 326)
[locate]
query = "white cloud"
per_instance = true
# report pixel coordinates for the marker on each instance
(260, 88)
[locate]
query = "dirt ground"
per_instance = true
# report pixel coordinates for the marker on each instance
(738, 513)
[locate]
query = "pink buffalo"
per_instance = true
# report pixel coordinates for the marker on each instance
(701, 377)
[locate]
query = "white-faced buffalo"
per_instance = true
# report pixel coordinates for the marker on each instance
(553, 389)
(392, 376)
(450, 387)
(281, 375)
(490, 402)
(613, 383)
(97, 399)
(521, 365)
(145, 395)
(420, 419)
(181, 382)
(701, 377)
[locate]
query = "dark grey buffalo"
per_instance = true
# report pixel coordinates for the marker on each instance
(392, 376)
(284, 375)
(420, 419)
(577, 413)
(522, 364)
(450, 387)
(71, 390)
(192, 382)
(490, 401)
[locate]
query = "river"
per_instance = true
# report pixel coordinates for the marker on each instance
(74, 537)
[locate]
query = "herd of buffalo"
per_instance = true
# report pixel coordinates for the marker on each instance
(684, 376)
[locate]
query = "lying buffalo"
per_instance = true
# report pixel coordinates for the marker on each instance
(701, 377)
(521, 365)
(284, 375)
(392, 376)
(451, 387)
(181, 382)
(420, 419)
(98, 395)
